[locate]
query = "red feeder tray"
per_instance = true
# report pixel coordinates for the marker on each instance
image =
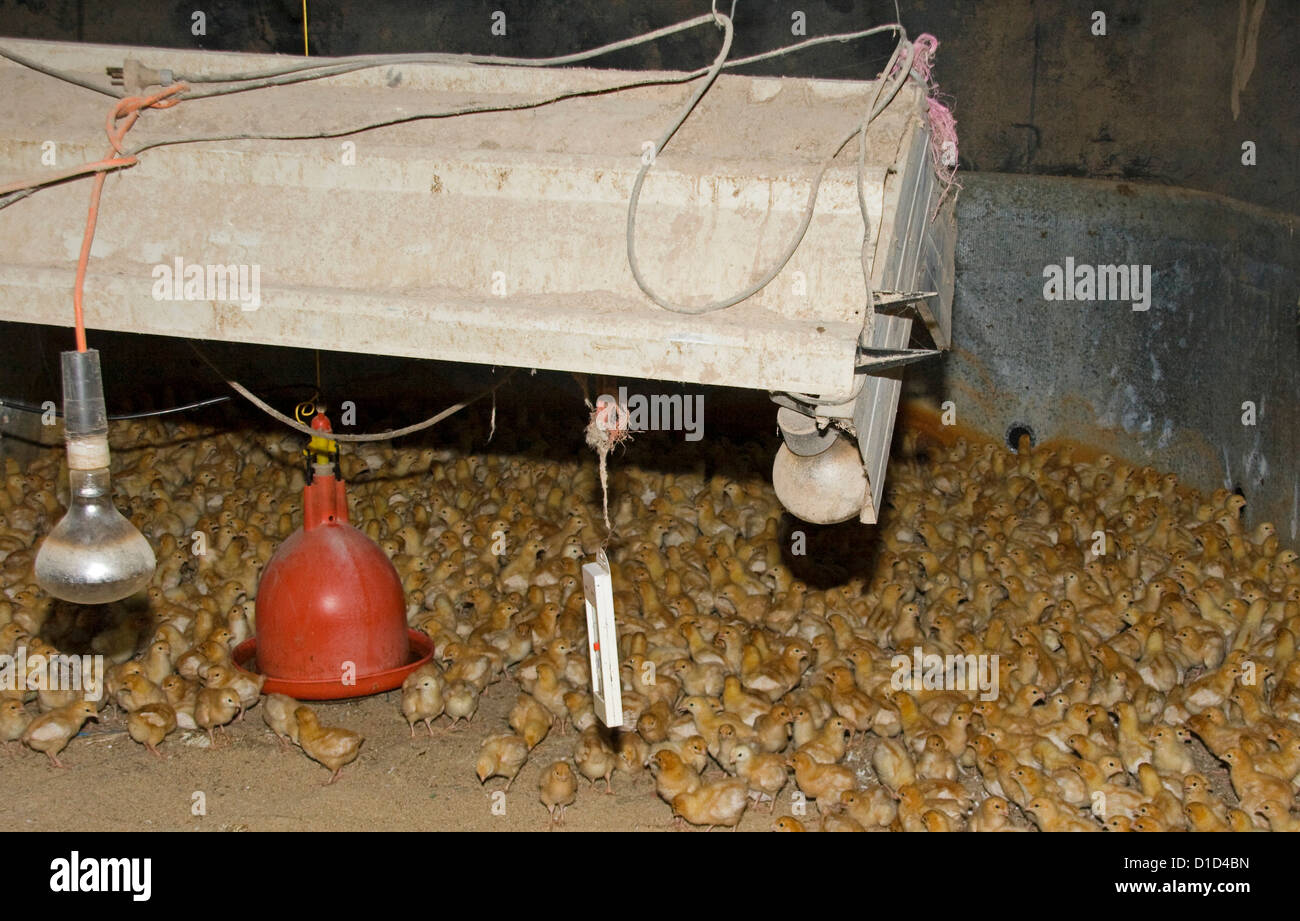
(245, 658)
(331, 613)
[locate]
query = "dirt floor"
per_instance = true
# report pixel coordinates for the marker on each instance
(251, 784)
(398, 783)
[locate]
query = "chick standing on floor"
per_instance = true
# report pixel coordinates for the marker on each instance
(334, 748)
(559, 788)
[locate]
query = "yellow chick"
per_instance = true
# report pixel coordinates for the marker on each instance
(893, 764)
(558, 788)
(460, 700)
(1279, 818)
(822, 782)
(138, 691)
(763, 773)
(332, 747)
(150, 724)
(595, 757)
(1051, 815)
(215, 708)
(51, 732)
(278, 714)
(993, 814)
(501, 756)
(772, 729)
(248, 687)
(721, 803)
(1254, 787)
(422, 699)
(672, 775)
(530, 719)
(157, 661)
(876, 807)
(13, 720)
(1202, 818)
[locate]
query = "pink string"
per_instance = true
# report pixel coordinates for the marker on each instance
(943, 126)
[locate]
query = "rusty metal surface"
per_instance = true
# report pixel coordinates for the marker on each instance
(1163, 387)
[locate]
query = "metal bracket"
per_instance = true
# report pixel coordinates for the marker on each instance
(874, 360)
(919, 305)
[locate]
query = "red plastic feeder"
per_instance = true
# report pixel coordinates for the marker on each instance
(331, 613)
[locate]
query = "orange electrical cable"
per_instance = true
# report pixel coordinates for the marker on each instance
(83, 260)
(127, 111)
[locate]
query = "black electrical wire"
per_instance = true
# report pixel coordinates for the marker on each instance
(123, 417)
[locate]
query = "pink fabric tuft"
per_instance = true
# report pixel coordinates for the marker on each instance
(943, 126)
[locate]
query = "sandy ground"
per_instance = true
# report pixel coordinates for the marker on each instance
(397, 783)
(250, 784)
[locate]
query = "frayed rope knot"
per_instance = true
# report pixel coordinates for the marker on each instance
(943, 126)
(606, 429)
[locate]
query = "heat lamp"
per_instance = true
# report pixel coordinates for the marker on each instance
(93, 555)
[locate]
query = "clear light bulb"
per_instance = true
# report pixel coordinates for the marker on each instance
(93, 555)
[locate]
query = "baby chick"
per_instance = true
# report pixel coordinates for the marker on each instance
(138, 691)
(559, 788)
(772, 729)
(530, 719)
(150, 724)
(935, 762)
(50, 732)
(1052, 815)
(721, 803)
(13, 720)
(1279, 818)
(1202, 818)
(632, 754)
(215, 708)
(595, 757)
(157, 661)
(460, 700)
(422, 699)
(501, 756)
(833, 822)
(1254, 787)
(822, 782)
(764, 773)
(991, 815)
(672, 775)
(331, 747)
(893, 764)
(278, 714)
(876, 807)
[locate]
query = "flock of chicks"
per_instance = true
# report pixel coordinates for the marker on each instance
(1129, 617)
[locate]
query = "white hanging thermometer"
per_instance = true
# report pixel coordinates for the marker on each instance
(602, 641)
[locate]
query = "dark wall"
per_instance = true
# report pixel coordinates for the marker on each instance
(1034, 91)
